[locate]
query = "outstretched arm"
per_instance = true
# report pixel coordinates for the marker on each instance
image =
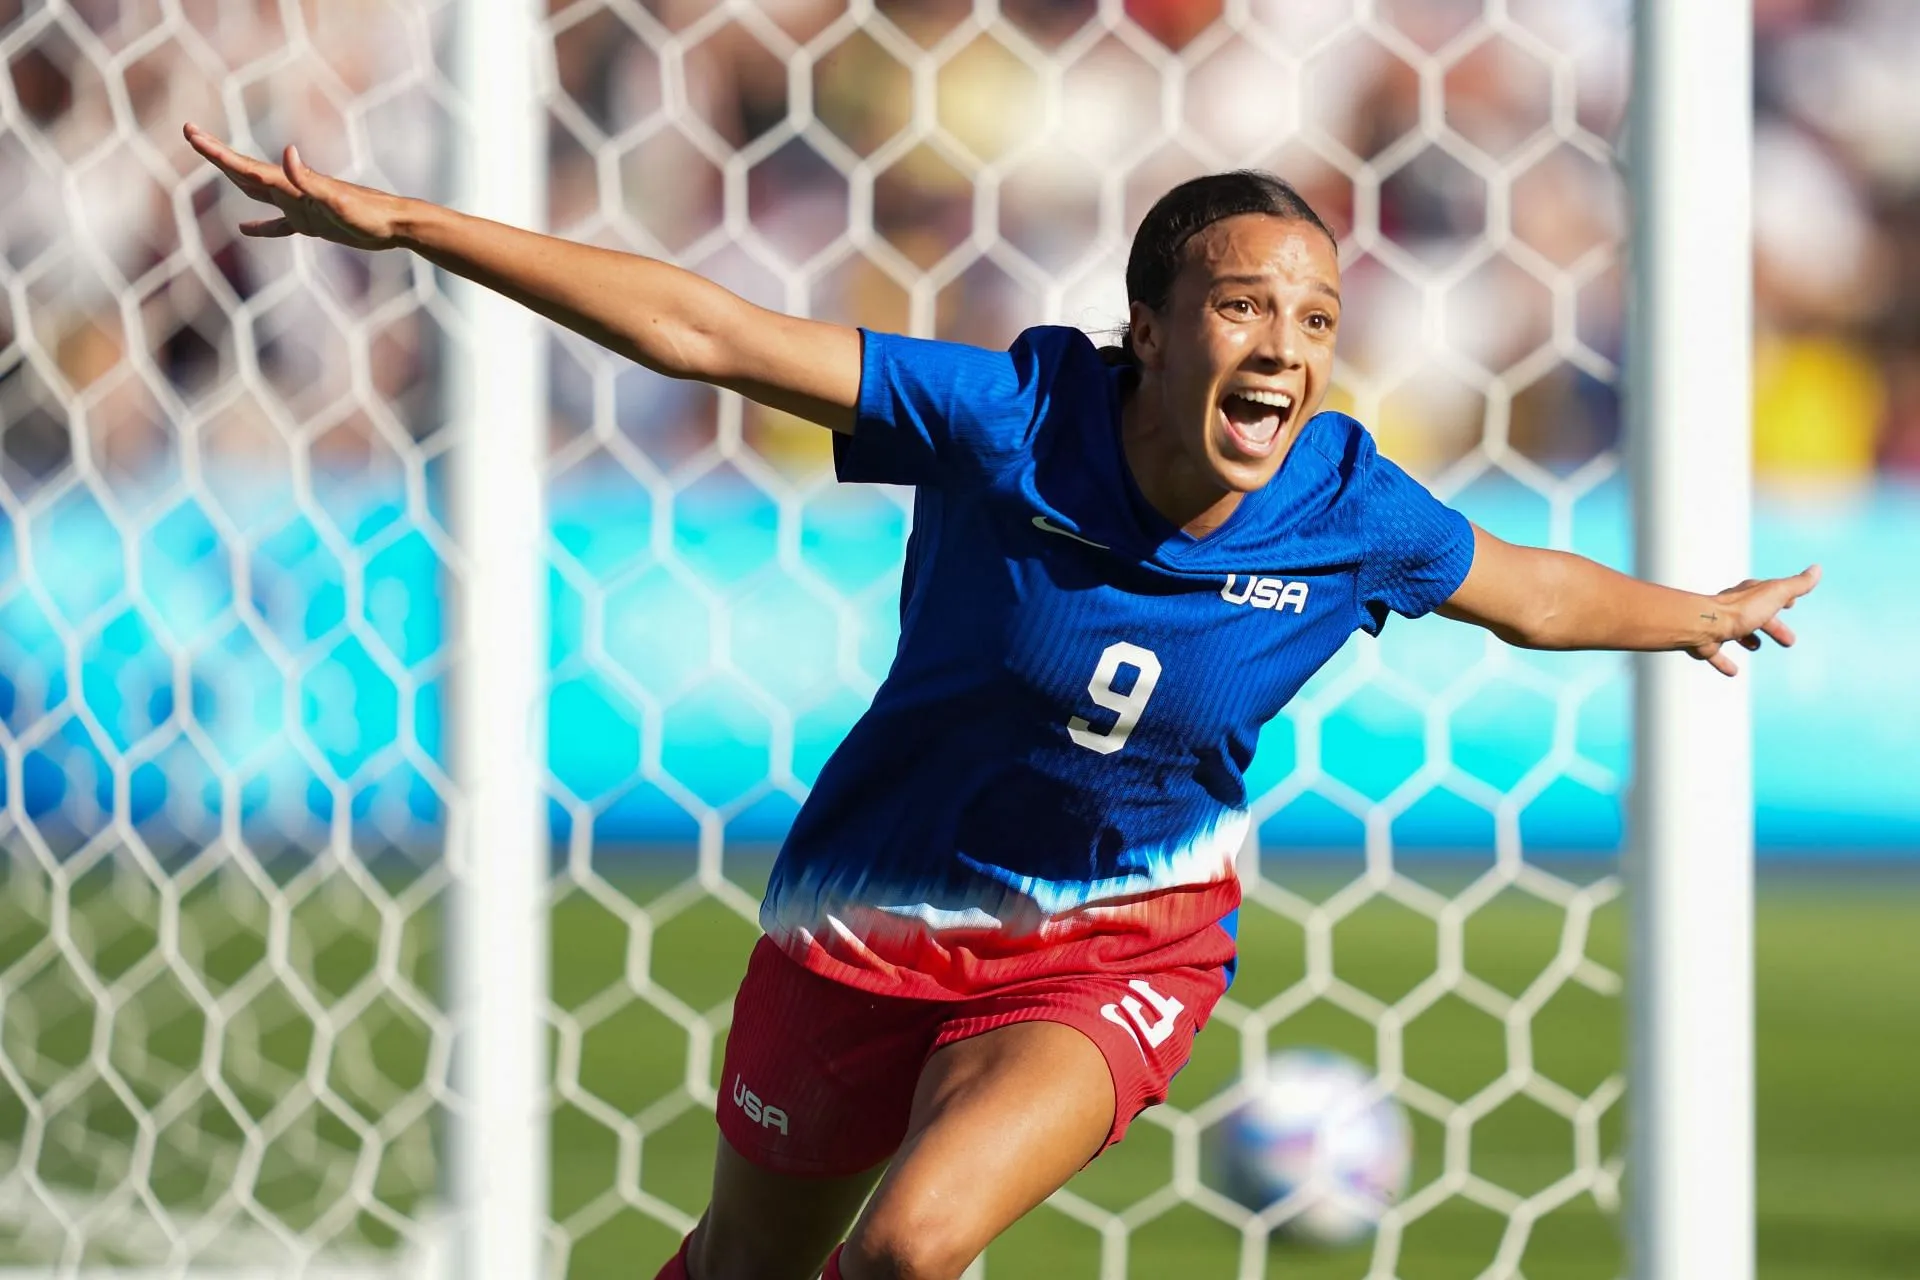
(1555, 600)
(672, 321)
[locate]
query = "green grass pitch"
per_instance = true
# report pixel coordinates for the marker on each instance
(1839, 1039)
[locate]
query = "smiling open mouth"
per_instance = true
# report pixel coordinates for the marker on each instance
(1254, 419)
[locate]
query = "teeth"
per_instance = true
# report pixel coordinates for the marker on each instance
(1277, 399)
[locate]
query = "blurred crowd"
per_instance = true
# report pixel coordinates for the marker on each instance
(1837, 237)
(1484, 292)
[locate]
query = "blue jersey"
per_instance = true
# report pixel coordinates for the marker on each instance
(1052, 776)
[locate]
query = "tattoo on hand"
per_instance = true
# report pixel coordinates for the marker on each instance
(1710, 617)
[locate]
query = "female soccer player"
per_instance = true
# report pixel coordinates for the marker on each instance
(1008, 904)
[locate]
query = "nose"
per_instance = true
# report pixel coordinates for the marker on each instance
(1280, 345)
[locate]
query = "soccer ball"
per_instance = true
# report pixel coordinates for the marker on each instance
(1317, 1129)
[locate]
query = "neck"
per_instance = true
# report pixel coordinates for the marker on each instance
(1166, 473)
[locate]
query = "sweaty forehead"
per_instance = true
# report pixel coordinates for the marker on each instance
(1251, 244)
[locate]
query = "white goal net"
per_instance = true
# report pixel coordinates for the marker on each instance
(225, 651)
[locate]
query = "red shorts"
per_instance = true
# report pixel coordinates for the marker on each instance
(819, 1076)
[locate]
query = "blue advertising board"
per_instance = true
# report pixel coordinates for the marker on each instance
(703, 665)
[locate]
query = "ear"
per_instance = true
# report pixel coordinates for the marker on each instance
(1149, 337)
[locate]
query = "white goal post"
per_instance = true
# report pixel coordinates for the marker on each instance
(498, 942)
(1690, 884)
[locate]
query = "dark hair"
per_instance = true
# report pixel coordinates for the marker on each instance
(1183, 213)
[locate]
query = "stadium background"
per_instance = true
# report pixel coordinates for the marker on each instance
(224, 645)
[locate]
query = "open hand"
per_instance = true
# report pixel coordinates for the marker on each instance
(1748, 611)
(310, 203)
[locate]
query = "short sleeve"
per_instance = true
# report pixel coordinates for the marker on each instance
(934, 413)
(1417, 549)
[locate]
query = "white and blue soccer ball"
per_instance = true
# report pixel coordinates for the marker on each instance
(1318, 1129)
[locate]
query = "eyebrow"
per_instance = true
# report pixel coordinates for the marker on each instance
(1319, 286)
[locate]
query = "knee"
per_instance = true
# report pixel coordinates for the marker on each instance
(907, 1247)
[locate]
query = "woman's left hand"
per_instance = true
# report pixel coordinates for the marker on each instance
(1748, 611)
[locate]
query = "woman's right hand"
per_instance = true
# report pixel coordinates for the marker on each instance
(668, 319)
(310, 203)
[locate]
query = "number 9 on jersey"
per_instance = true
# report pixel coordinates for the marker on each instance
(1125, 706)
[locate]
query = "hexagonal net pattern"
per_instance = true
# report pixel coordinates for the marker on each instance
(224, 652)
(221, 651)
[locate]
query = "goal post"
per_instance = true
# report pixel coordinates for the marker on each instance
(1690, 882)
(497, 952)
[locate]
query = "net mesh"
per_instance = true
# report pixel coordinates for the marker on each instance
(224, 652)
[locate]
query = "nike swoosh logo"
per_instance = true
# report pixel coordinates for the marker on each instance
(1042, 523)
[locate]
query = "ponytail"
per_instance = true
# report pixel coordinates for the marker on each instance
(1124, 358)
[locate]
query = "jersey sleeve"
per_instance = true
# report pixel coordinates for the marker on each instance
(933, 413)
(1417, 549)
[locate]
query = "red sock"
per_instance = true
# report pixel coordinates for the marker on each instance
(833, 1267)
(676, 1268)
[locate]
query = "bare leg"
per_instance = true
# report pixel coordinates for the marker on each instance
(1000, 1122)
(771, 1226)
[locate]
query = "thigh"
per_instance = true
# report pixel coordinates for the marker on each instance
(816, 1090)
(1000, 1121)
(1144, 1024)
(761, 1225)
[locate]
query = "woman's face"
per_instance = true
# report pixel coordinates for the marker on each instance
(1242, 354)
